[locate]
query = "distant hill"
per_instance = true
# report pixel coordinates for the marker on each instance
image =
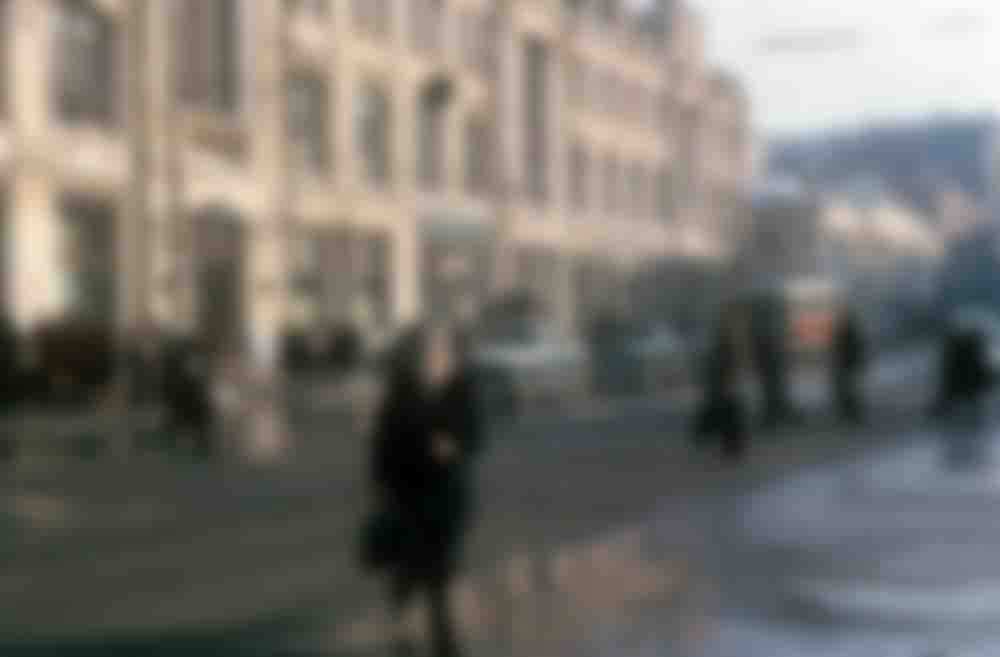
(912, 158)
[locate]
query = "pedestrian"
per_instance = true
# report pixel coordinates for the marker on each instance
(427, 436)
(723, 410)
(965, 375)
(965, 379)
(848, 360)
(188, 395)
(143, 383)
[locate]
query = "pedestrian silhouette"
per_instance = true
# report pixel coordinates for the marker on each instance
(188, 395)
(965, 379)
(849, 359)
(723, 411)
(428, 434)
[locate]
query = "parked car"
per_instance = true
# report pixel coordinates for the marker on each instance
(531, 365)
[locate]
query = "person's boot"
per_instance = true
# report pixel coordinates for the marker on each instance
(403, 647)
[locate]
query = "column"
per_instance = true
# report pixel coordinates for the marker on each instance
(267, 288)
(32, 243)
(165, 188)
(345, 94)
(133, 241)
(406, 268)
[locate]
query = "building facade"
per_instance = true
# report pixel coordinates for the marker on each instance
(239, 165)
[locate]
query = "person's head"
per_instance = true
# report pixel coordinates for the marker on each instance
(426, 356)
(439, 357)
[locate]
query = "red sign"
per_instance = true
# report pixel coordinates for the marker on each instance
(813, 330)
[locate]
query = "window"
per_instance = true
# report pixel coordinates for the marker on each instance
(431, 139)
(604, 91)
(89, 253)
(579, 172)
(84, 73)
(486, 36)
(608, 10)
(374, 275)
(374, 16)
(373, 130)
(611, 185)
(477, 155)
(208, 70)
(536, 136)
(665, 194)
(306, 122)
(636, 184)
(307, 279)
(316, 8)
(426, 21)
(468, 32)
(574, 79)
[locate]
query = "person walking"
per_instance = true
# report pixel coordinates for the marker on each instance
(427, 436)
(849, 360)
(188, 395)
(965, 380)
(723, 410)
(143, 385)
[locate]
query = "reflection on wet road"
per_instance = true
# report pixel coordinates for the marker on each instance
(894, 554)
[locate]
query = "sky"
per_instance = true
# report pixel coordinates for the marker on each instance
(819, 64)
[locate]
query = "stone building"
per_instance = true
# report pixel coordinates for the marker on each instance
(239, 165)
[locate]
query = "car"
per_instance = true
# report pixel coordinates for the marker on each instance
(530, 366)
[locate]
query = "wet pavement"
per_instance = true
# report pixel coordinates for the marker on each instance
(892, 554)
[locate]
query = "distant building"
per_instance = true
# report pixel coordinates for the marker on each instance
(878, 252)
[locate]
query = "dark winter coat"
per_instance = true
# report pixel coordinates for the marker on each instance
(433, 499)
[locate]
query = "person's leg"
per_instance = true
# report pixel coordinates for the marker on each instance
(857, 398)
(443, 640)
(204, 438)
(735, 435)
(402, 587)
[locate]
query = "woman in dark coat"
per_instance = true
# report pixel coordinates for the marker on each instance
(428, 434)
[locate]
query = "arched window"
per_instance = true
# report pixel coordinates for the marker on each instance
(85, 88)
(373, 129)
(307, 121)
(208, 50)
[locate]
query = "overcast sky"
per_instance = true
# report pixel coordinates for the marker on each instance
(837, 62)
